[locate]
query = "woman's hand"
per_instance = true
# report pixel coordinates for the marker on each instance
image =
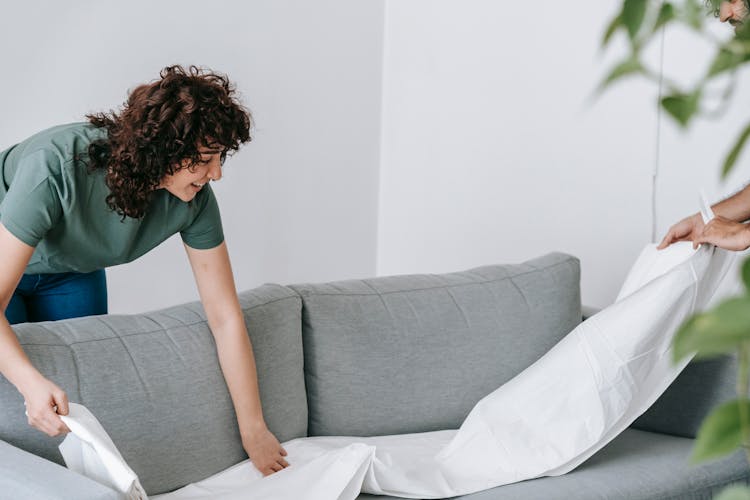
(45, 402)
(724, 233)
(264, 450)
(688, 229)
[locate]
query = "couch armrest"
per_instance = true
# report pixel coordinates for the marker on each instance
(588, 311)
(25, 475)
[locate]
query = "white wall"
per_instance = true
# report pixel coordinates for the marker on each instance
(299, 203)
(492, 150)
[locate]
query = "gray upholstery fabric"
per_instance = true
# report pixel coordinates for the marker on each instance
(154, 382)
(697, 390)
(406, 354)
(637, 465)
(23, 475)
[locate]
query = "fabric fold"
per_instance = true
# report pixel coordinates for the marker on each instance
(89, 450)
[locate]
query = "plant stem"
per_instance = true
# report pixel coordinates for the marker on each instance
(742, 393)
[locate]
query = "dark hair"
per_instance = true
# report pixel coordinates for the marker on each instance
(162, 124)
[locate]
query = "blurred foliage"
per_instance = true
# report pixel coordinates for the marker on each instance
(725, 328)
(642, 21)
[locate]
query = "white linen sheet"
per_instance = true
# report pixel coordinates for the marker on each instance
(546, 421)
(89, 450)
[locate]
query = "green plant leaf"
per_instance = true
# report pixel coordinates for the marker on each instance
(720, 433)
(681, 107)
(717, 331)
(746, 273)
(734, 153)
(734, 492)
(724, 60)
(694, 14)
(633, 12)
(611, 29)
(666, 14)
(628, 67)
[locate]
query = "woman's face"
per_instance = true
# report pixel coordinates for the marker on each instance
(188, 180)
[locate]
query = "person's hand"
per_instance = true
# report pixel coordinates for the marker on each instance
(45, 402)
(688, 229)
(264, 450)
(724, 233)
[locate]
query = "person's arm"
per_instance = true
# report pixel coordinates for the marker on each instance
(735, 208)
(213, 275)
(726, 231)
(41, 396)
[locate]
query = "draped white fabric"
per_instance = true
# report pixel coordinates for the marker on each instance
(89, 450)
(546, 421)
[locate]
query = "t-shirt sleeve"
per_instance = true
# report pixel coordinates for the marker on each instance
(31, 207)
(204, 231)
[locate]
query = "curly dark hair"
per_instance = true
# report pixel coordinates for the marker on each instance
(162, 124)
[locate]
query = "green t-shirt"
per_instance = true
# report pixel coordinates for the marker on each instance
(50, 201)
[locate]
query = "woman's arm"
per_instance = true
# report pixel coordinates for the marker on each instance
(213, 275)
(41, 396)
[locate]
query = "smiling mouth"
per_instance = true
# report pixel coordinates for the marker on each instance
(198, 184)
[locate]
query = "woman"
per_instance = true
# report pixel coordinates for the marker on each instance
(80, 197)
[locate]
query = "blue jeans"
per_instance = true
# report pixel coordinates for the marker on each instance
(49, 297)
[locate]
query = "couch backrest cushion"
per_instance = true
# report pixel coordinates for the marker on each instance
(404, 354)
(702, 386)
(154, 382)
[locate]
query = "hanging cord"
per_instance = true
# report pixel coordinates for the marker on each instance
(655, 173)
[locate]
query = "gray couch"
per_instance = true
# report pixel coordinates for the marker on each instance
(386, 355)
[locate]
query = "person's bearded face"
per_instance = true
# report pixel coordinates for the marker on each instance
(733, 12)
